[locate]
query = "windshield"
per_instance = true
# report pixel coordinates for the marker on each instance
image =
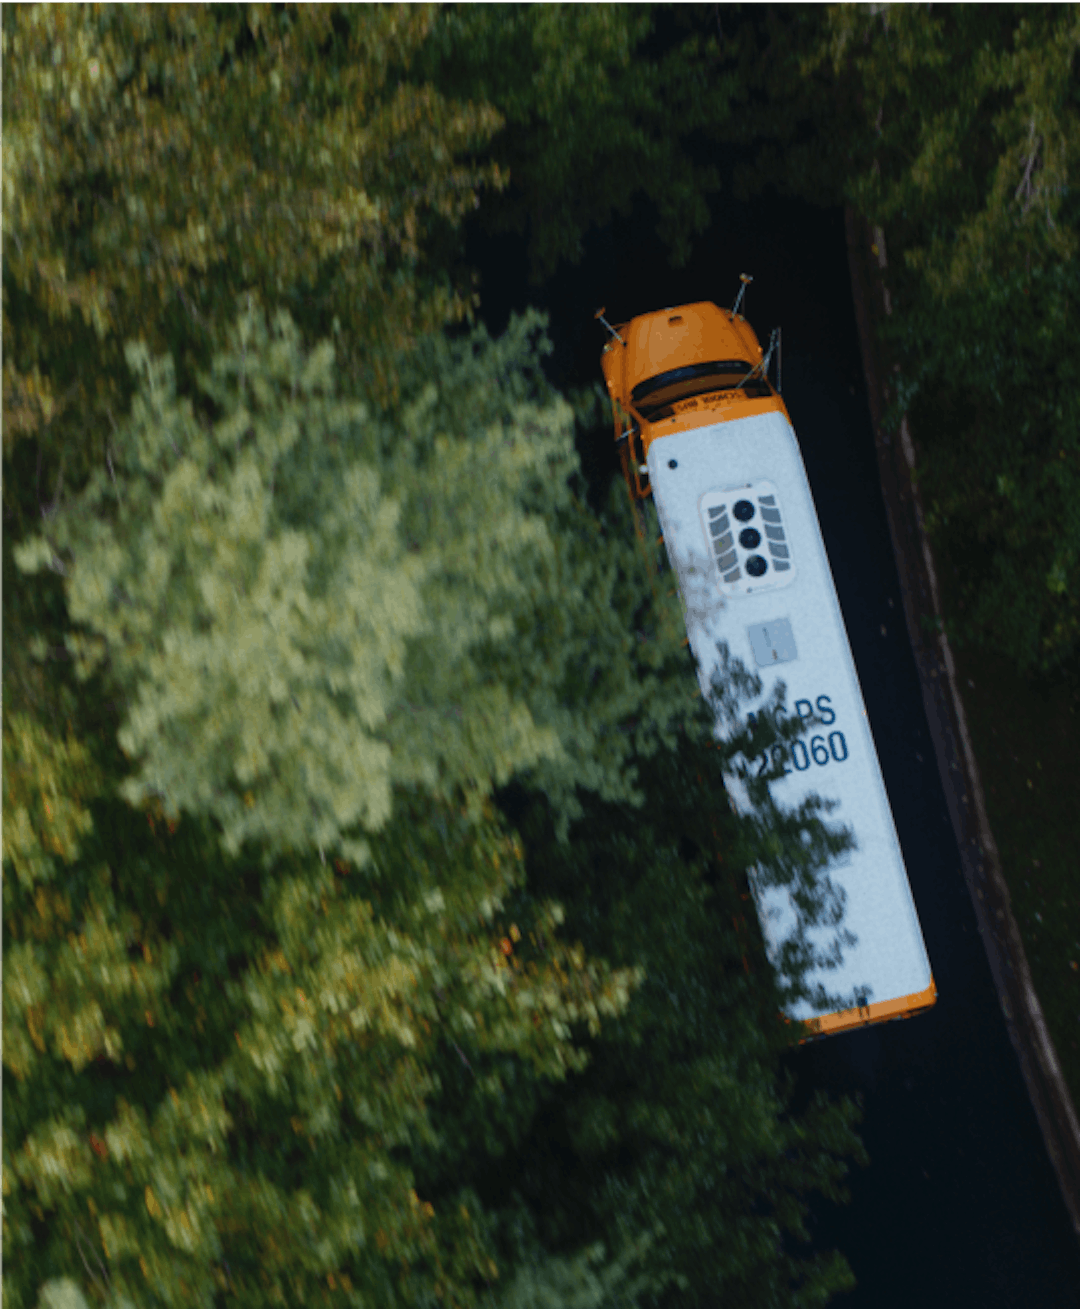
(654, 398)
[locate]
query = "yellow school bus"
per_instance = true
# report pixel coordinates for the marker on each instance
(702, 431)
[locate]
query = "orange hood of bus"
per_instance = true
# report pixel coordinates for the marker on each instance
(687, 334)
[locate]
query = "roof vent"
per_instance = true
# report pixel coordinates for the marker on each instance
(752, 554)
(676, 318)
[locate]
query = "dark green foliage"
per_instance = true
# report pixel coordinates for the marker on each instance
(590, 119)
(679, 1126)
(954, 130)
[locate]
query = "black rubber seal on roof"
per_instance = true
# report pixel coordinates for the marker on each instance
(686, 374)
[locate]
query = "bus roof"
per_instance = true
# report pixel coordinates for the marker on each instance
(740, 529)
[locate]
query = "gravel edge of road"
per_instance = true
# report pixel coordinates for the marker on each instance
(980, 861)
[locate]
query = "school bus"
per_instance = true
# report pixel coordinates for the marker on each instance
(703, 432)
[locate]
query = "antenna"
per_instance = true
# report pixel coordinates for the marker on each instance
(761, 368)
(779, 361)
(746, 279)
(600, 314)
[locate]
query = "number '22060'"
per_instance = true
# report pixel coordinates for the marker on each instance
(821, 749)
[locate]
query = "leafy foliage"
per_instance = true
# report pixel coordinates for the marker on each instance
(987, 229)
(221, 1013)
(158, 160)
(175, 1014)
(278, 991)
(969, 174)
(302, 606)
(596, 120)
(679, 1133)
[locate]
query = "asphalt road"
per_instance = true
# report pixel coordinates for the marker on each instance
(959, 1204)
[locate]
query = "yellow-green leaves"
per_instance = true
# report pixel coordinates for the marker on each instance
(203, 605)
(46, 783)
(56, 1158)
(67, 991)
(307, 603)
(61, 1293)
(310, 607)
(158, 162)
(275, 1160)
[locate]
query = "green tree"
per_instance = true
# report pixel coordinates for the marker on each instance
(588, 1279)
(172, 1016)
(601, 115)
(329, 619)
(301, 602)
(954, 131)
(160, 159)
(680, 1133)
(416, 559)
(975, 183)
(209, 1071)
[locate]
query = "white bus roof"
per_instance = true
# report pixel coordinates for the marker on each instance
(774, 603)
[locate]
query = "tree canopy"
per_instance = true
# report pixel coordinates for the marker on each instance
(303, 604)
(176, 1009)
(954, 131)
(209, 1072)
(603, 114)
(160, 159)
(681, 1127)
(310, 586)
